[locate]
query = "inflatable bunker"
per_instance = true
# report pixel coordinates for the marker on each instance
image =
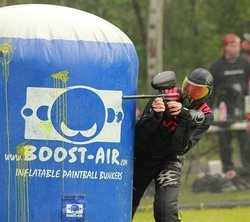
(66, 135)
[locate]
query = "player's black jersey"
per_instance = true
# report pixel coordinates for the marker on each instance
(169, 135)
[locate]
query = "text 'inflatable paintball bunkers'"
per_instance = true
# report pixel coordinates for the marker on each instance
(66, 135)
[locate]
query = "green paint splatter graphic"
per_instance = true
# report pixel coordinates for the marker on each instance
(7, 52)
(22, 186)
(60, 81)
(47, 128)
(6, 55)
(61, 76)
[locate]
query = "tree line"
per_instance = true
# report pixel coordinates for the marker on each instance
(192, 29)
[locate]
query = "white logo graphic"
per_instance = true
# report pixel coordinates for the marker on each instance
(77, 114)
(74, 210)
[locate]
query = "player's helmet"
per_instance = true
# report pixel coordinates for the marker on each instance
(197, 87)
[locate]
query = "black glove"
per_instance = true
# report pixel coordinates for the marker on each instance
(158, 116)
(185, 114)
(197, 117)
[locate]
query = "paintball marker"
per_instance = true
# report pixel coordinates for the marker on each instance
(162, 81)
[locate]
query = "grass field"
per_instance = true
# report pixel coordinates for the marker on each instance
(239, 214)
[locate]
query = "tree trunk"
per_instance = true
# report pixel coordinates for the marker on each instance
(64, 2)
(139, 18)
(3, 3)
(154, 39)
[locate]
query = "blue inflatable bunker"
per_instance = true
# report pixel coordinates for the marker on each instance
(66, 135)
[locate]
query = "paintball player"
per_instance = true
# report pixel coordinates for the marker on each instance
(163, 134)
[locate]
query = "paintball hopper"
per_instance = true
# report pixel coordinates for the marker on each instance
(164, 80)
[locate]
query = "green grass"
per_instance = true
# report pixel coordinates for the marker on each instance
(241, 214)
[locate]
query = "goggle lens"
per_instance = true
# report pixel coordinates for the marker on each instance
(194, 90)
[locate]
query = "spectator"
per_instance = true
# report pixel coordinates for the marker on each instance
(231, 72)
(163, 134)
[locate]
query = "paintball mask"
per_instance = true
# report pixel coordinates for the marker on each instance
(196, 88)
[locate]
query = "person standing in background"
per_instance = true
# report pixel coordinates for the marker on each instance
(231, 73)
